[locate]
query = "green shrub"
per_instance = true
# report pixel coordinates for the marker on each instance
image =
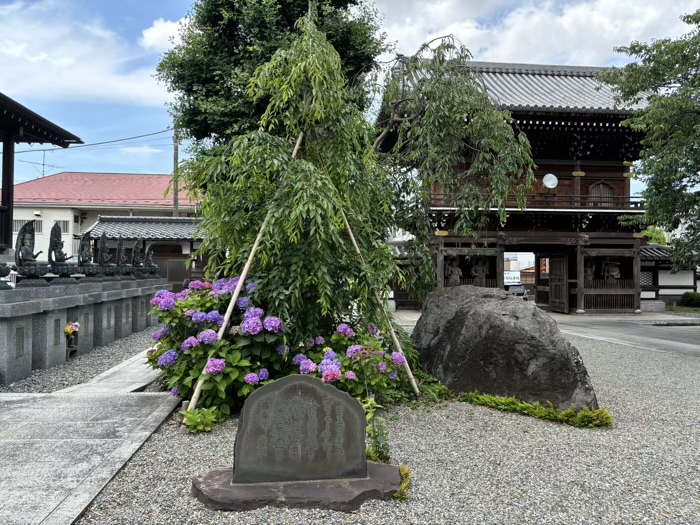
(691, 299)
(201, 419)
(585, 417)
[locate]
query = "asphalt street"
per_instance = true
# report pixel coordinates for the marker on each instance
(683, 340)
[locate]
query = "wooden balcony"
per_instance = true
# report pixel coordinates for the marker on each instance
(561, 202)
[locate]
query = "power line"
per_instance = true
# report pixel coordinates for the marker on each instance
(95, 143)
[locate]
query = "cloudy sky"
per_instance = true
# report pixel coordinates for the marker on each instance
(88, 65)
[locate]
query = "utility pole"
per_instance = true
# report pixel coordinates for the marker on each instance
(176, 145)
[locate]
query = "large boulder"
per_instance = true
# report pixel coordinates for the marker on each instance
(487, 340)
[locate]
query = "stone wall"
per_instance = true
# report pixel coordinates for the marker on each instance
(32, 320)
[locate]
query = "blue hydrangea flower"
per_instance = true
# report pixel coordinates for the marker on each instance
(250, 287)
(264, 374)
(208, 337)
(252, 326)
(169, 358)
(320, 341)
(282, 349)
(166, 304)
(298, 359)
(307, 366)
(272, 324)
(254, 312)
(243, 303)
(199, 317)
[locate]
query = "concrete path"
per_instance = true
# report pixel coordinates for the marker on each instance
(59, 450)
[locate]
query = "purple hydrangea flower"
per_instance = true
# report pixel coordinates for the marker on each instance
(155, 301)
(310, 342)
(254, 312)
(307, 366)
(320, 341)
(252, 326)
(215, 317)
(382, 367)
(393, 375)
(208, 337)
(329, 354)
(196, 285)
(372, 329)
(166, 304)
(162, 293)
(350, 376)
(345, 330)
(175, 391)
(215, 366)
(168, 359)
(250, 287)
(182, 295)
(161, 334)
(199, 317)
(331, 375)
(264, 374)
(190, 313)
(190, 342)
(282, 349)
(252, 379)
(354, 351)
(398, 358)
(298, 359)
(272, 324)
(244, 303)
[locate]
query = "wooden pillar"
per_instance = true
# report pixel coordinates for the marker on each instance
(8, 189)
(537, 277)
(440, 262)
(580, 280)
(636, 271)
(500, 266)
(577, 174)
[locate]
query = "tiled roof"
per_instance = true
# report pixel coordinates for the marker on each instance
(533, 87)
(655, 252)
(130, 190)
(149, 228)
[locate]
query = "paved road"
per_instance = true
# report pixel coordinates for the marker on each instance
(684, 340)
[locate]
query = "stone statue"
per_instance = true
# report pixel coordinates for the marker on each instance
(480, 270)
(121, 253)
(136, 253)
(105, 256)
(25, 258)
(24, 247)
(611, 271)
(588, 274)
(454, 273)
(149, 255)
(56, 253)
(85, 254)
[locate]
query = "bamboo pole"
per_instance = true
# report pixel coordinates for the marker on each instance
(395, 339)
(241, 281)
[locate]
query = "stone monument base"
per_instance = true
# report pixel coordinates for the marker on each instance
(216, 490)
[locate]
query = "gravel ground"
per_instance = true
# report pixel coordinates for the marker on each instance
(82, 368)
(475, 465)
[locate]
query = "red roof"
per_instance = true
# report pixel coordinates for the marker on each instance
(99, 189)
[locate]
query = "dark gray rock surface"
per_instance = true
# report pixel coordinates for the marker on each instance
(484, 339)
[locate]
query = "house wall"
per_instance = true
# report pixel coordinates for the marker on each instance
(682, 278)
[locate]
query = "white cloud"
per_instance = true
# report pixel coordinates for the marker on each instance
(140, 150)
(162, 35)
(582, 32)
(47, 51)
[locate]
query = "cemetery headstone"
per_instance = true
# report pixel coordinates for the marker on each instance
(300, 443)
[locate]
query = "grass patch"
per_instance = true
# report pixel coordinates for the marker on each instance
(584, 418)
(683, 309)
(402, 493)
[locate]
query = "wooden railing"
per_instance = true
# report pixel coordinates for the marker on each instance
(546, 200)
(489, 283)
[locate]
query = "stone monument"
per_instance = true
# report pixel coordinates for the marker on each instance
(85, 264)
(58, 260)
(300, 443)
(25, 258)
(4, 272)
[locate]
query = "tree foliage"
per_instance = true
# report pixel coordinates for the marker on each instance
(306, 266)
(655, 235)
(442, 134)
(224, 43)
(665, 76)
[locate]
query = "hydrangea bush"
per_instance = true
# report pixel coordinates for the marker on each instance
(255, 349)
(188, 343)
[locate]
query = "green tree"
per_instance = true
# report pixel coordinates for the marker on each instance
(665, 78)
(655, 235)
(441, 133)
(224, 43)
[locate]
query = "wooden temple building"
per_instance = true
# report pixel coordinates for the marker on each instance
(585, 259)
